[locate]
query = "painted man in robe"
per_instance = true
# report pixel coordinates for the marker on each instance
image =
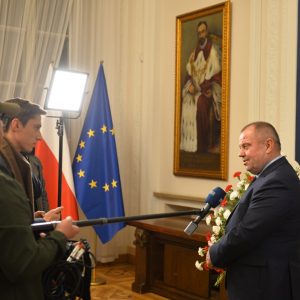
(201, 96)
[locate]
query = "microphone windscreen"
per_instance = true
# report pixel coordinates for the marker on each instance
(215, 197)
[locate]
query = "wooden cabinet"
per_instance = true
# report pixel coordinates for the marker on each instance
(165, 259)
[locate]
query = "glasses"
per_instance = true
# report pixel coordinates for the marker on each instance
(4, 118)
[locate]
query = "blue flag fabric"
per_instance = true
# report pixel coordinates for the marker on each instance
(95, 166)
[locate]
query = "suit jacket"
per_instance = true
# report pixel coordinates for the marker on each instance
(261, 248)
(39, 186)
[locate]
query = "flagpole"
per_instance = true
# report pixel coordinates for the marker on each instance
(94, 280)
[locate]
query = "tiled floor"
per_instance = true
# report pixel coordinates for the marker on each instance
(118, 278)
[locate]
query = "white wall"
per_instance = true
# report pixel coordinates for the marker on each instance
(139, 62)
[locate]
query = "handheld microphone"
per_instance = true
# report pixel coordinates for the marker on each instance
(213, 199)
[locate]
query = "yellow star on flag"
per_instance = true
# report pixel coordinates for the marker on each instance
(79, 158)
(104, 129)
(91, 133)
(82, 144)
(112, 131)
(81, 173)
(93, 184)
(114, 183)
(106, 187)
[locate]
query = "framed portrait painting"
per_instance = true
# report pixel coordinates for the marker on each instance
(202, 93)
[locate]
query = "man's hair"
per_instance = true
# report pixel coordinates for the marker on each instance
(28, 110)
(266, 128)
(204, 23)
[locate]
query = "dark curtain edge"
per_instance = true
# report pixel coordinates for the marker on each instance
(297, 150)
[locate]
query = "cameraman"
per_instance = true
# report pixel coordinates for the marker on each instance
(21, 133)
(23, 259)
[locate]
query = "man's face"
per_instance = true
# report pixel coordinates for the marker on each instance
(202, 33)
(253, 150)
(26, 136)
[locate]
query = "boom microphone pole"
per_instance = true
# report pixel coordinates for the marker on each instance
(213, 200)
(49, 226)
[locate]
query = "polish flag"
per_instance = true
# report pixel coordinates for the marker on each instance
(47, 150)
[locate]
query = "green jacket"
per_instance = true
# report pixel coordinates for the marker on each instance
(22, 258)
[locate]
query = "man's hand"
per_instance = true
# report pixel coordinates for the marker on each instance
(39, 214)
(67, 228)
(191, 89)
(53, 214)
(208, 93)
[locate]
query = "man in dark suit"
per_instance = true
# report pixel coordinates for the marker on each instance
(261, 247)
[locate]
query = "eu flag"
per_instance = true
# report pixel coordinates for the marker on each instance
(95, 166)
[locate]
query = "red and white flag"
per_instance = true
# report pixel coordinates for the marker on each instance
(47, 151)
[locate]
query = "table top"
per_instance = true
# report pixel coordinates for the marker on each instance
(173, 226)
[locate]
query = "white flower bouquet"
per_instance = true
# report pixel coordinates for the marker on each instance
(218, 219)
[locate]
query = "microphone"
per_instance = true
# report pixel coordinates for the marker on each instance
(213, 199)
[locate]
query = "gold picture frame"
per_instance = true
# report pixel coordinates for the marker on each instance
(202, 93)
